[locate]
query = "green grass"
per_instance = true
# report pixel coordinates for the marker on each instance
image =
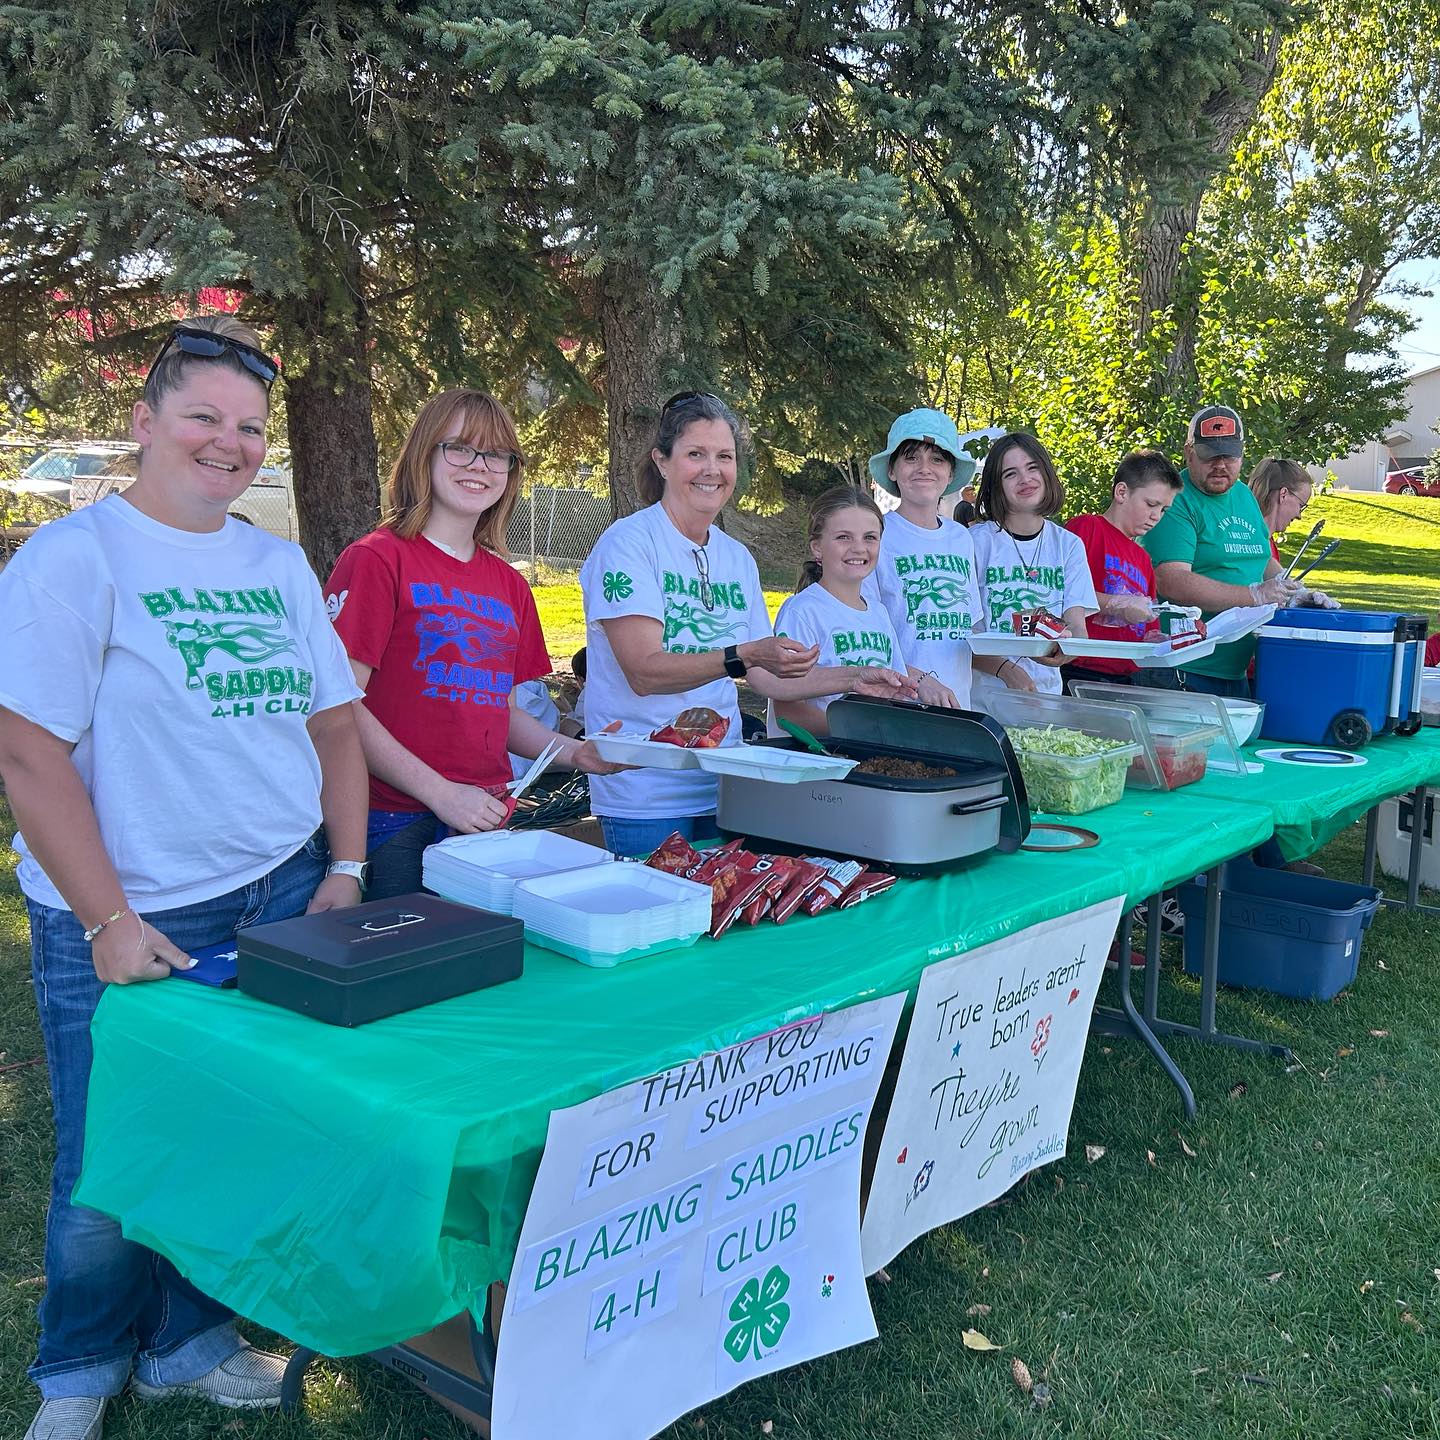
(1280, 1283)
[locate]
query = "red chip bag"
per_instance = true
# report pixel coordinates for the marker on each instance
(733, 888)
(675, 855)
(778, 870)
(797, 886)
(863, 886)
(830, 886)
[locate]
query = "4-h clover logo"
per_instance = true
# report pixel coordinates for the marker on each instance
(618, 585)
(760, 1315)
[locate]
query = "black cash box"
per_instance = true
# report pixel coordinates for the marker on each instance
(348, 967)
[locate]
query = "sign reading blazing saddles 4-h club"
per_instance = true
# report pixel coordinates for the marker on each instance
(692, 1230)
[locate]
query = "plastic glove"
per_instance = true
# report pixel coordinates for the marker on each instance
(1316, 600)
(1132, 609)
(1277, 590)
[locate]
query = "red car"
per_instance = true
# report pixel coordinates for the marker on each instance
(1411, 482)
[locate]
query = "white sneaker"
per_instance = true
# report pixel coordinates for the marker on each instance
(248, 1380)
(75, 1417)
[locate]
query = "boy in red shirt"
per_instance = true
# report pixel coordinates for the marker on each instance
(1144, 486)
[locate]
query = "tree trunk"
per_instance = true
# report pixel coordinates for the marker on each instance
(1160, 246)
(332, 426)
(641, 333)
(1165, 227)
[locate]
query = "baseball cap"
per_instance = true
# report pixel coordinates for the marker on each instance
(934, 428)
(1216, 430)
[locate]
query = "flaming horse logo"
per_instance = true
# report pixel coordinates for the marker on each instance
(681, 617)
(475, 641)
(943, 594)
(248, 641)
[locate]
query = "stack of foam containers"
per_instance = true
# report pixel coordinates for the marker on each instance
(605, 915)
(483, 869)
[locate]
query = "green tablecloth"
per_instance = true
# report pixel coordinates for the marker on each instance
(1310, 806)
(351, 1188)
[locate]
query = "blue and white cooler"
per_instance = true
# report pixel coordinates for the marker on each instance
(1339, 677)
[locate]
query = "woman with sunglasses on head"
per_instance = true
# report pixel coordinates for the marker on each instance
(674, 614)
(175, 727)
(440, 631)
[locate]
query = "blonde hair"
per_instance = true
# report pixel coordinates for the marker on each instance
(831, 502)
(168, 373)
(476, 418)
(1273, 474)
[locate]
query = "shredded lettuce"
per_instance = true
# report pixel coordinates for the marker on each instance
(1062, 788)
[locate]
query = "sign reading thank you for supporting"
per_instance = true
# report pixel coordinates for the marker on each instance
(692, 1230)
(987, 1081)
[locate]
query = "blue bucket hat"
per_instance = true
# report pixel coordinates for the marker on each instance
(934, 428)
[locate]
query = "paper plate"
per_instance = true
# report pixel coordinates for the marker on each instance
(642, 750)
(784, 767)
(994, 643)
(1312, 755)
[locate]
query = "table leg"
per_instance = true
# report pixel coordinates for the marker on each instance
(292, 1382)
(1206, 1031)
(1129, 1021)
(1411, 901)
(1417, 839)
(470, 1394)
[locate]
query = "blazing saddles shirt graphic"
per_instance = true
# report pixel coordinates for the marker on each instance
(814, 616)
(446, 641)
(705, 598)
(928, 583)
(183, 667)
(1049, 571)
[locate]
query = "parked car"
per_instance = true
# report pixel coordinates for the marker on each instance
(1411, 482)
(52, 474)
(269, 502)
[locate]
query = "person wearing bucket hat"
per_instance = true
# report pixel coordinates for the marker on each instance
(926, 577)
(674, 615)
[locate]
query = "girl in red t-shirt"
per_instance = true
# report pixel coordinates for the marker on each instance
(1144, 486)
(440, 630)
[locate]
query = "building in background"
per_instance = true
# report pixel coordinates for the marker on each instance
(1408, 442)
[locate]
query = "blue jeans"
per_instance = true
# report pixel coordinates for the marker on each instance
(624, 836)
(106, 1297)
(396, 851)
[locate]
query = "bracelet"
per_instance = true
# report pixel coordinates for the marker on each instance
(94, 930)
(1006, 661)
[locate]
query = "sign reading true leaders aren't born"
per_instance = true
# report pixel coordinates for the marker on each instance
(692, 1230)
(988, 1077)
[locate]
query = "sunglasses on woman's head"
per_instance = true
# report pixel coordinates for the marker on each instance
(686, 396)
(207, 345)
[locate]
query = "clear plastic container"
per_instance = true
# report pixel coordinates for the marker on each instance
(1175, 711)
(1072, 784)
(1182, 751)
(1020, 709)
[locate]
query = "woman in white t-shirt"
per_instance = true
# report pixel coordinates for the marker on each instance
(175, 727)
(828, 607)
(674, 615)
(926, 577)
(1027, 562)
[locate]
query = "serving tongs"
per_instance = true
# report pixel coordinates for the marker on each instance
(1328, 549)
(1315, 529)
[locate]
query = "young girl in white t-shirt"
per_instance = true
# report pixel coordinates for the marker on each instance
(828, 610)
(1026, 561)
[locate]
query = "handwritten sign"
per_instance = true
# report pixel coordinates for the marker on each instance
(988, 1078)
(692, 1230)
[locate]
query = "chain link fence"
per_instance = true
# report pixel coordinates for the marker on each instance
(556, 524)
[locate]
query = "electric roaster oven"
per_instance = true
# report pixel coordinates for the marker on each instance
(932, 788)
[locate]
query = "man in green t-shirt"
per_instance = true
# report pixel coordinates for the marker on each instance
(1212, 549)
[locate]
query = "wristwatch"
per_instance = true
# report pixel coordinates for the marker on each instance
(358, 870)
(735, 667)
